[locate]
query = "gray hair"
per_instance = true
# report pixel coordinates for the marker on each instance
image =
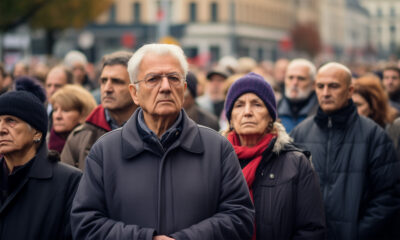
(116, 58)
(158, 49)
(73, 57)
(312, 70)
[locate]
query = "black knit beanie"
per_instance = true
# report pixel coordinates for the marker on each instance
(251, 83)
(26, 106)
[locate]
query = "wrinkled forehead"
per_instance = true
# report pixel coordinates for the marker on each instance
(162, 63)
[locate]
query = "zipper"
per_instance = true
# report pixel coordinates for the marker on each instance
(327, 166)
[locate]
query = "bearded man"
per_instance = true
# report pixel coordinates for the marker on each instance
(299, 99)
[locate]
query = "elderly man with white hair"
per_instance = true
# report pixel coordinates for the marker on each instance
(299, 99)
(161, 176)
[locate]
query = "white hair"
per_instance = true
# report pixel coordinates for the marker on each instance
(312, 70)
(73, 57)
(158, 49)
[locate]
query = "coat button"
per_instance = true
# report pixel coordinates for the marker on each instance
(272, 176)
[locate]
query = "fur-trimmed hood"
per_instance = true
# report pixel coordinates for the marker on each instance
(283, 138)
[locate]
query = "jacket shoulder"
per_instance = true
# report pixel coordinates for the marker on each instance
(61, 168)
(304, 126)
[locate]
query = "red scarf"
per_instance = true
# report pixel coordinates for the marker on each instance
(255, 153)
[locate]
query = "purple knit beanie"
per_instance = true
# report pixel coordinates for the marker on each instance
(253, 83)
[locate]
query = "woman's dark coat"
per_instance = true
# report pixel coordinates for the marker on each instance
(287, 197)
(39, 207)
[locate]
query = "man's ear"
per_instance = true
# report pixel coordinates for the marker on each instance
(133, 91)
(351, 90)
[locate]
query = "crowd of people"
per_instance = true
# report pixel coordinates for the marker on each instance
(146, 146)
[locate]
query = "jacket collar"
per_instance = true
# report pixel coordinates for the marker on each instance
(41, 168)
(309, 107)
(132, 144)
(98, 118)
(338, 119)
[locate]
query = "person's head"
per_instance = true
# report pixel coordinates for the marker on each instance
(280, 70)
(21, 68)
(246, 65)
(299, 79)
(57, 77)
(157, 73)
(191, 90)
(114, 82)
(76, 61)
(71, 105)
(23, 122)
(371, 99)
(333, 87)
(215, 83)
(250, 107)
(391, 80)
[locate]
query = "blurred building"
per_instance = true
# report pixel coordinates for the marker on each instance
(344, 28)
(206, 29)
(384, 25)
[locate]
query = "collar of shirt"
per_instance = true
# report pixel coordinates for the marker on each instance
(111, 121)
(169, 136)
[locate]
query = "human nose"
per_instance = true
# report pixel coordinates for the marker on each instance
(247, 109)
(164, 82)
(57, 113)
(325, 91)
(108, 86)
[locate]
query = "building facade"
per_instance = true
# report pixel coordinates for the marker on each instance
(385, 25)
(206, 29)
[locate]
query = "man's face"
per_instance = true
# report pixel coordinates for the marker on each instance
(216, 87)
(78, 71)
(298, 84)
(55, 80)
(164, 100)
(114, 90)
(332, 89)
(391, 81)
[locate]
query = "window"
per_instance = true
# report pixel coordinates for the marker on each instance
(191, 52)
(112, 14)
(193, 12)
(392, 12)
(379, 12)
(393, 29)
(136, 12)
(214, 12)
(260, 54)
(215, 53)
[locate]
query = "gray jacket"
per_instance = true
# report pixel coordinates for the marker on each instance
(192, 190)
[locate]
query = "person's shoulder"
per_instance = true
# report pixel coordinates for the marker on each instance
(304, 125)
(65, 170)
(373, 132)
(109, 139)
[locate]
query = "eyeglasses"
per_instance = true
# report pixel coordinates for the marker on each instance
(154, 80)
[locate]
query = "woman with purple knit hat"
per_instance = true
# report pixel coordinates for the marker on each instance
(281, 180)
